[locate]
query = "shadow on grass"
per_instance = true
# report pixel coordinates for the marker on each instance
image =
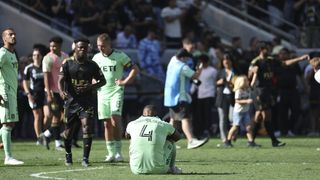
(207, 173)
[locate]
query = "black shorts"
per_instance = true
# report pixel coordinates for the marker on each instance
(181, 111)
(264, 99)
(39, 100)
(74, 112)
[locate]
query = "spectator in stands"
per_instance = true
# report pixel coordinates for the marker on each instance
(206, 93)
(86, 18)
(149, 54)
(172, 15)
(275, 8)
(59, 15)
(126, 38)
(144, 19)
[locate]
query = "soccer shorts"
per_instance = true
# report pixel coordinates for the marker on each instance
(110, 105)
(264, 99)
(9, 108)
(181, 111)
(39, 100)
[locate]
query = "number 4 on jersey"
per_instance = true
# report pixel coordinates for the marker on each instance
(143, 134)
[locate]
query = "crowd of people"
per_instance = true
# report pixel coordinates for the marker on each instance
(126, 21)
(259, 88)
(302, 13)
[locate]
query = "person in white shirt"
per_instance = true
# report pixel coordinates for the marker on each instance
(126, 38)
(172, 30)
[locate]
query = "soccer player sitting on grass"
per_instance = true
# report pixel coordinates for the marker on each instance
(152, 149)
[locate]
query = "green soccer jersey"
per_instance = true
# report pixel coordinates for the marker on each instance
(112, 67)
(147, 146)
(8, 72)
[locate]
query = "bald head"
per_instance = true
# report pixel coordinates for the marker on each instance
(149, 110)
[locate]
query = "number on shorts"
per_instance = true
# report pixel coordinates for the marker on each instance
(143, 134)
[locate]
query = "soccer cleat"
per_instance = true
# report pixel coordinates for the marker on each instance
(118, 158)
(12, 161)
(68, 161)
(85, 162)
(278, 144)
(175, 170)
(60, 148)
(109, 158)
(227, 144)
(45, 140)
(253, 145)
(195, 143)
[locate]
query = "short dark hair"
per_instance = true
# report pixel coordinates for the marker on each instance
(82, 40)
(183, 53)
(56, 39)
(262, 45)
(203, 58)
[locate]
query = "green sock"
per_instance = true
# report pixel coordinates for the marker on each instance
(6, 139)
(111, 147)
(118, 146)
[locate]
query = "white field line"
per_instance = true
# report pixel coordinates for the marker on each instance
(42, 175)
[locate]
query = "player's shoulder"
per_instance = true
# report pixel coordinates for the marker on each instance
(3, 51)
(117, 52)
(255, 60)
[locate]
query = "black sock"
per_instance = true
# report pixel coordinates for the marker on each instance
(270, 131)
(56, 132)
(67, 145)
(86, 147)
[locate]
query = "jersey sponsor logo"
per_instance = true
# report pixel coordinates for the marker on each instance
(109, 68)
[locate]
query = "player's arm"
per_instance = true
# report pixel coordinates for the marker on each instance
(132, 74)
(99, 80)
(174, 137)
(46, 73)
(62, 82)
(295, 60)
(25, 84)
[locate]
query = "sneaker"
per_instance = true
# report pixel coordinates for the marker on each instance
(195, 143)
(228, 144)
(85, 162)
(175, 170)
(118, 158)
(253, 145)
(12, 161)
(45, 140)
(109, 158)
(60, 148)
(68, 161)
(278, 144)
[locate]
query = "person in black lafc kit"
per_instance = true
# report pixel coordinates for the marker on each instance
(76, 88)
(262, 74)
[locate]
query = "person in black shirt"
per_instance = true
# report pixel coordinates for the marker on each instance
(262, 74)
(33, 85)
(77, 90)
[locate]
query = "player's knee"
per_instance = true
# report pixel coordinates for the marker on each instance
(86, 129)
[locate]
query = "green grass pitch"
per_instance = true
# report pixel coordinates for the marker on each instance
(300, 159)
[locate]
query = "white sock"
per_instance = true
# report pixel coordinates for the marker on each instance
(47, 133)
(58, 143)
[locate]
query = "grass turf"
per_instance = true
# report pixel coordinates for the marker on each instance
(299, 159)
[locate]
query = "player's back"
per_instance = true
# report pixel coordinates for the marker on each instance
(148, 137)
